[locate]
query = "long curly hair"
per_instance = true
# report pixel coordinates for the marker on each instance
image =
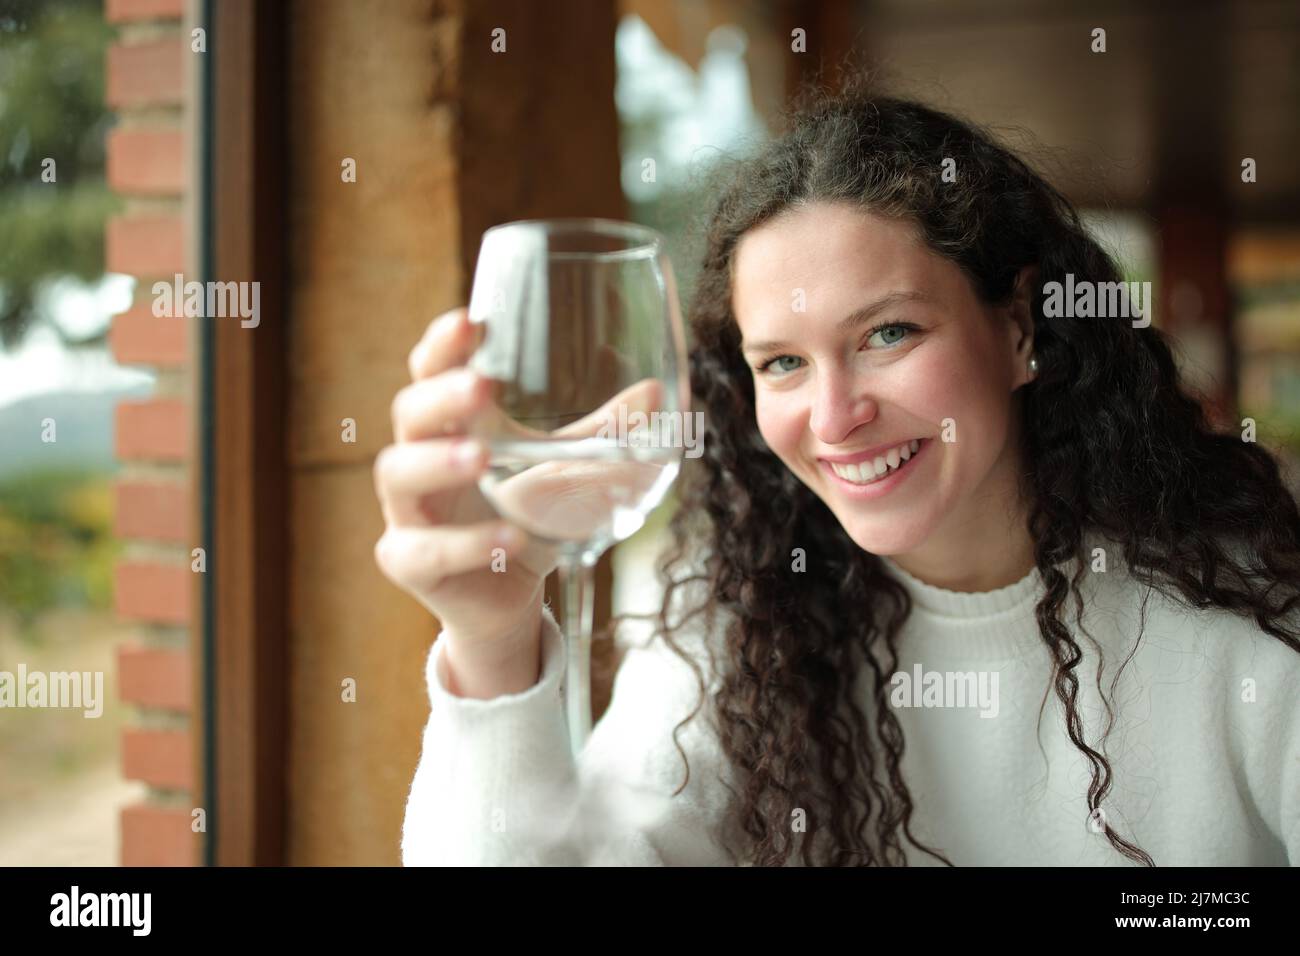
(1110, 443)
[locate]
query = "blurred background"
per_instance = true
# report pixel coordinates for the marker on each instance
(184, 507)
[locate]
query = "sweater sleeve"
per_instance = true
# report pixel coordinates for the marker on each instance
(1289, 770)
(496, 783)
(1265, 726)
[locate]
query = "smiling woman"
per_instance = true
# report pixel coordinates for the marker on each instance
(1059, 461)
(909, 468)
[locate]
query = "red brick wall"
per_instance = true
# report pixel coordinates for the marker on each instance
(154, 586)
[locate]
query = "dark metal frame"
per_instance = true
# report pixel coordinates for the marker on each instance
(243, 479)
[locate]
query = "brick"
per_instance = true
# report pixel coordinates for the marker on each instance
(138, 337)
(148, 247)
(146, 74)
(157, 593)
(153, 430)
(152, 511)
(158, 836)
(126, 11)
(160, 758)
(154, 677)
(146, 162)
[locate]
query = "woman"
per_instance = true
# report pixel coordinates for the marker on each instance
(928, 511)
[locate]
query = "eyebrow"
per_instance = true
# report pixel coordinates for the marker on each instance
(850, 321)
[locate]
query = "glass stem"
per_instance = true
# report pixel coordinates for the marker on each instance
(576, 582)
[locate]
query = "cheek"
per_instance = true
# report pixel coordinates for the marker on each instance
(964, 383)
(780, 421)
(966, 386)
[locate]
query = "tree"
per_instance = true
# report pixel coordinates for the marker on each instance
(51, 108)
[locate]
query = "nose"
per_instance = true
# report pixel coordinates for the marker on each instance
(839, 407)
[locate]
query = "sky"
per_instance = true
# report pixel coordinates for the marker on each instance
(41, 363)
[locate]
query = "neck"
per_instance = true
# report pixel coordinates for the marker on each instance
(991, 569)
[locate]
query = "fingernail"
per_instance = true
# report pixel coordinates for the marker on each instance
(466, 454)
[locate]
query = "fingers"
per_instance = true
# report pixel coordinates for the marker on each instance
(448, 342)
(420, 559)
(413, 552)
(406, 473)
(438, 406)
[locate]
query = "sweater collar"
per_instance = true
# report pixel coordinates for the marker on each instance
(968, 605)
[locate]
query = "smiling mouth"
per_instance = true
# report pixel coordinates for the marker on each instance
(877, 469)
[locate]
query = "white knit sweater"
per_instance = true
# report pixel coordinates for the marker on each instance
(1205, 750)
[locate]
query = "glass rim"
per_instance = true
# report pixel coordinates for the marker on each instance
(647, 241)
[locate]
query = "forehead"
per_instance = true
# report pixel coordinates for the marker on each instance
(835, 253)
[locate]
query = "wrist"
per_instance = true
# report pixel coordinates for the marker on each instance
(485, 667)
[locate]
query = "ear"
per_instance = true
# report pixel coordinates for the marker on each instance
(1020, 328)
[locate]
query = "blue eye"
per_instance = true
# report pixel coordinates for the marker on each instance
(777, 362)
(902, 328)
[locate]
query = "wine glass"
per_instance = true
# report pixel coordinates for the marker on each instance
(590, 419)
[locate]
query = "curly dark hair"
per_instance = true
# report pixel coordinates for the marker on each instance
(1111, 443)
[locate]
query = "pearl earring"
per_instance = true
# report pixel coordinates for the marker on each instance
(1033, 365)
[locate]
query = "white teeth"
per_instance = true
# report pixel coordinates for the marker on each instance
(865, 472)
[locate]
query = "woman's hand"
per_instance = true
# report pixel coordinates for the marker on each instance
(444, 544)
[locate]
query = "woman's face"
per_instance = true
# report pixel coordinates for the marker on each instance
(881, 380)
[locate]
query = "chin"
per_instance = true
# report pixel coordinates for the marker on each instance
(886, 538)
